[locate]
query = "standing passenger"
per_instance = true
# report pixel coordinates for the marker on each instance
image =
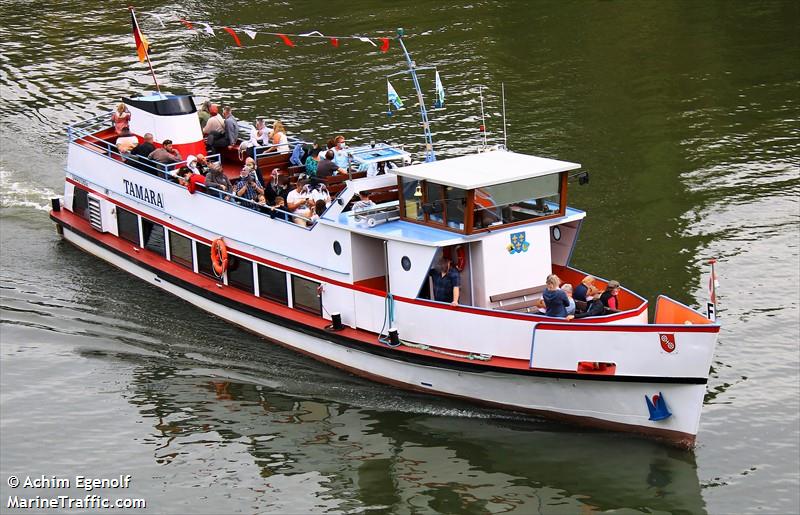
(203, 114)
(231, 126)
(120, 118)
(446, 282)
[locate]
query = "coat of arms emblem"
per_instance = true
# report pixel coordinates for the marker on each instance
(518, 243)
(667, 342)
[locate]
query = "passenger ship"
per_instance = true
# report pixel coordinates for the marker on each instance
(351, 289)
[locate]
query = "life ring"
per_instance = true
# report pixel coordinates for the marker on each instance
(219, 257)
(461, 258)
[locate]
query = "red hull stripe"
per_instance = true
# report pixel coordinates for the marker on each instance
(420, 302)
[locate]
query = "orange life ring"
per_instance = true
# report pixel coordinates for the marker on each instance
(219, 257)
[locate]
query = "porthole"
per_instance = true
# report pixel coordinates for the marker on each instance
(337, 248)
(405, 263)
(556, 233)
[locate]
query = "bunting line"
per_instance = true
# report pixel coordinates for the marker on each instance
(232, 33)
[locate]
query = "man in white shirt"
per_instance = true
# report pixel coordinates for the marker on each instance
(298, 196)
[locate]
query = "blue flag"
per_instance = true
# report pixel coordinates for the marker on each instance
(393, 98)
(439, 91)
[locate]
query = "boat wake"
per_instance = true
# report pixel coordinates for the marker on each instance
(14, 193)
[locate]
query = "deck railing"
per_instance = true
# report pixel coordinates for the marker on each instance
(84, 134)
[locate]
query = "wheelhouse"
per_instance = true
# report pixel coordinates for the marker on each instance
(477, 193)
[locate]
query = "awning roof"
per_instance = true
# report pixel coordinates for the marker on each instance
(484, 169)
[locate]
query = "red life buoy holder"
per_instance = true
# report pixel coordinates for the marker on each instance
(461, 258)
(219, 257)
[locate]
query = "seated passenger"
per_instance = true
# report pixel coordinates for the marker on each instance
(197, 164)
(568, 290)
(555, 299)
(186, 177)
(298, 197)
(586, 290)
(278, 187)
(609, 296)
(304, 212)
(166, 154)
(251, 164)
(312, 161)
(340, 152)
(263, 132)
(216, 179)
(120, 118)
(248, 187)
(326, 167)
(231, 126)
(364, 203)
(279, 139)
(319, 209)
(320, 192)
(214, 131)
(279, 209)
(145, 148)
(594, 308)
(126, 142)
(203, 114)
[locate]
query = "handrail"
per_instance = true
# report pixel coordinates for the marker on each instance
(256, 206)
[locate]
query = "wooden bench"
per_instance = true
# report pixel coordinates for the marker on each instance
(522, 306)
(527, 292)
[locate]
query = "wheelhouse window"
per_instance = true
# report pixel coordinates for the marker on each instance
(204, 265)
(80, 202)
(153, 234)
(240, 273)
(128, 225)
(412, 199)
(180, 249)
(272, 284)
(304, 294)
(517, 201)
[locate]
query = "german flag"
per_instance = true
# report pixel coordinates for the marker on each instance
(142, 45)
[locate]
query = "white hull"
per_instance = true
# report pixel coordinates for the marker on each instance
(616, 404)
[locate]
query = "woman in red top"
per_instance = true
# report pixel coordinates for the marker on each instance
(120, 118)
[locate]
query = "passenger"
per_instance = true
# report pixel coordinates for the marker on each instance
(262, 132)
(571, 307)
(251, 163)
(215, 129)
(277, 187)
(340, 152)
(319, 210)
(320, 192)
(609, 296)
(197, 164)
(312, 161)
(364, 203)
(304, 212)
(279, 209)
(248, 187)
(298, 197)
(121, 118)
(126, 142)
(586, 290)
(190, 179)
(326, 167)
(279, 139)
(166, 154)
(231, 126)
(594, 308)
(446, 282)
(216, 179)
(555, 299)
(203, 114)
(145, 148)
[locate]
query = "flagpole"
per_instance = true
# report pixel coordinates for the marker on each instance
(146, 51)
(429, 153)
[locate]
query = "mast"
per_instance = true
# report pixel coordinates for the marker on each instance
(412, 68)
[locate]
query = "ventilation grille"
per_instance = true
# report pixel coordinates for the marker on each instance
(95, 215)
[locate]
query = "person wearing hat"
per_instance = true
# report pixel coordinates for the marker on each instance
(166, 154)
(609, 296)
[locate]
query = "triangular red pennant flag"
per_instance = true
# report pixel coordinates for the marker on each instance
(285, 39)
(188, 24)
(384, 44)
(335, 42)
(232, 33)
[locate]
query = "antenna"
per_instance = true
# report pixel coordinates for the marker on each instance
(483, 117)
(505, 134)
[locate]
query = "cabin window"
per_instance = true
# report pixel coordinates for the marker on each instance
(180, 249)
(304, 294)
(154, 237)
(517, 201)
(272, 284)
(80, 202)
(434, 205)
(240, 273)
(128, 225)
(455, 203)
(204, 265)
(412, 203)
